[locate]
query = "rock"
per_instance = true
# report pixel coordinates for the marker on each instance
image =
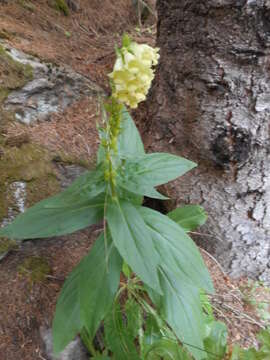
(74, 351)
(29, 174)
(51, 90)
(68, 173)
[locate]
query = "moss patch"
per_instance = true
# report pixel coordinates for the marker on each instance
(30, 164)
(6, 245)
(35, 268)
(13, 74)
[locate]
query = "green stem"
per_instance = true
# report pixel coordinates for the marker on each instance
(88, 343)
(112, 133)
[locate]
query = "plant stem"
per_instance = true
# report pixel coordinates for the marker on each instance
(112, 132)
(89, 345)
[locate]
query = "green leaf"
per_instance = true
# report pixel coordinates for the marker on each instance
(141, 190)
(41, 221)
(99, 282)
(89, 185)
(129, 196)
(189, 217)
(155, 169)
(207, 307)
(126, 41)
(117, 338)
(264, 337)
(250, 354)
(181, 308)
(134, 317)
(126, 270)
(177, 251)
(129, 140)
(216, 342)
(133, 241)
(183, 274)
(166, 349)
(79, 206)
(152, 331)
(87, 294)
(142, 174)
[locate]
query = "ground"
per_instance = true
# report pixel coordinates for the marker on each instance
(83, 40)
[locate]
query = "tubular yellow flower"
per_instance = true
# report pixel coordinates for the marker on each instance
(133, 73)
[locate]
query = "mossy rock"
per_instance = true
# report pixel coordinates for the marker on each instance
(35, 268)
(13, 74)
(30, 164)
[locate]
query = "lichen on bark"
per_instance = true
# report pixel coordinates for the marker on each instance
(211, 98)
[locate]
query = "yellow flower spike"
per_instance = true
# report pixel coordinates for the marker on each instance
(132, 73)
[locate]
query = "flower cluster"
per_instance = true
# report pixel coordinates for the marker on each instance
(133, 73)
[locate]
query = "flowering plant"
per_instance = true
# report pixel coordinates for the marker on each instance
(169, 271)
(133, 73)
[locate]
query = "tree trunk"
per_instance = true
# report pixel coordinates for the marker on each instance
(211, 98)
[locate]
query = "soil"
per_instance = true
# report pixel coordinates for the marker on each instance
(83, 40)
(28, 296)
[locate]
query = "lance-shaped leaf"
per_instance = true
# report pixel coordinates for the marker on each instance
(180, 306)
(143, 191)
(189, 217)
(177, 251)
(87, 294)
(129, 141)
(183, 274)
(142, 174)
(133, 241)
(79, 206)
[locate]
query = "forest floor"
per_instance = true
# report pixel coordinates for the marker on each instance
(84, 41)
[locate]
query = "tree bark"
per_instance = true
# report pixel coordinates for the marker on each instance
(211, 98)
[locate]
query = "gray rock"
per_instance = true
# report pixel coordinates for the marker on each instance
(52, 89)
(17, 191)
(68, 173)
(74, 351)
